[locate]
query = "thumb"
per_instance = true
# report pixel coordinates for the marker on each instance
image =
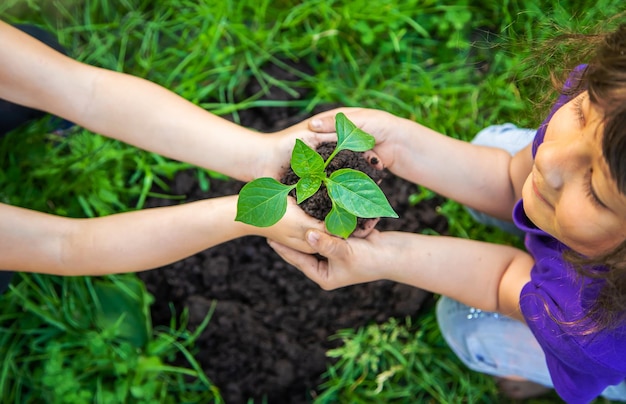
(322, 124)
(329, 246)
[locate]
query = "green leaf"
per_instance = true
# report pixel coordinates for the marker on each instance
(358, 194)
(350, 137)
(306, 161)
(306, 187)
(262, 202)
(340, 222)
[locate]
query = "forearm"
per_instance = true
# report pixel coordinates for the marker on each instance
(151, 238)
(482, 275)
(121, 106)
(476, 176)
(36, 242)
(153, 118)
(484, 178)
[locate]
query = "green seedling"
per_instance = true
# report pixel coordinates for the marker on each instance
(353, 194)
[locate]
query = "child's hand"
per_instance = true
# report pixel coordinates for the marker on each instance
(275, 151)
(382, 125)
(291, 229)
(349, 261)
(273, 159)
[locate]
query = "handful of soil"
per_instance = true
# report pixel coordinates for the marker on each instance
(320, 204)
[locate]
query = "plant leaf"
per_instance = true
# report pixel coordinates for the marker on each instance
(340, 222)
(350, 137)
(306, 162)
(358, 194)
(306, 187)
(262, 202)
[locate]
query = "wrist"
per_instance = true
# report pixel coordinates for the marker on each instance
(391, 250)
(261, 155)
(221, 213)
(381, 256)
(403, 141)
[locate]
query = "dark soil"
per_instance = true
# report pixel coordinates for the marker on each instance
(271, 326)
(319, 204)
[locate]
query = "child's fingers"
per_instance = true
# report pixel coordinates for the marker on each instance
(373, 159)
(325, 121)
(320, 138)
(322, 124)
(306, 263)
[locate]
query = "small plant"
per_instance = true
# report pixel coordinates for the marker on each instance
(263, 202)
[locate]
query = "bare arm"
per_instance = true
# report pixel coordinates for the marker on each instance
(484, 178)
(148, 116)
(37, 242)
(137, 111)
(482, 275)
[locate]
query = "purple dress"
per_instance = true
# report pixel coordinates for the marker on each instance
(553, 303)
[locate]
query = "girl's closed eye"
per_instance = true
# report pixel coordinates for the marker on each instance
(578, 109)
(591, 193)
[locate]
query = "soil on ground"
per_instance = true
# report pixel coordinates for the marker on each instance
(270, 330)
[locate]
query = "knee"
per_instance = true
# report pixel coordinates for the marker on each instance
(460, 327)
(452, 320)
(506, 136)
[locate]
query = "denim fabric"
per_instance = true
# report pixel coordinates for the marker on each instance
(491, 343)
(498, 345)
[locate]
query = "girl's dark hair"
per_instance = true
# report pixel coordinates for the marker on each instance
(605, 80)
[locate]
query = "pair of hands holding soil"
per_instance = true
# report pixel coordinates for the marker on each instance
(346, 261)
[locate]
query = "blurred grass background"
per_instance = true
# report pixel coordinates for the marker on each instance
(455, 66)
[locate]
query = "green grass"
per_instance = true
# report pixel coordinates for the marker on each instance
(83, 340)
(400, 361)
(424, 60)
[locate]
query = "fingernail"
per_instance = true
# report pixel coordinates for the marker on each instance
(312, 237)
(316, 123)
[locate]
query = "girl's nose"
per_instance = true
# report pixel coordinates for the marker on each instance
(559, 161)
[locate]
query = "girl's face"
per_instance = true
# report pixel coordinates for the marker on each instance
(570, 193)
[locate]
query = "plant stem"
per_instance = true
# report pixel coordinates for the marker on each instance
(332, 155)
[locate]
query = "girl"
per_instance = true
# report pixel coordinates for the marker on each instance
(150, 117)
(554, 315)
